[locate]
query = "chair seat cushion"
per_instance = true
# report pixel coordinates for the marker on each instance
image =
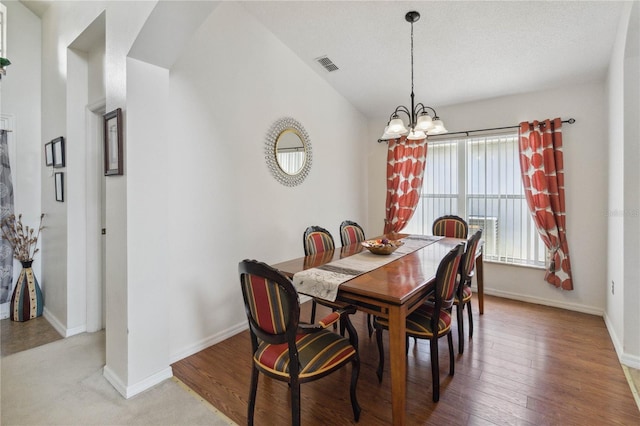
(419, 322)
(318, 353)
(466, 295)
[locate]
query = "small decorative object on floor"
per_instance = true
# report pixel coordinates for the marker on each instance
(27, 301)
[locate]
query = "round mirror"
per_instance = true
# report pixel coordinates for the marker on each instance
(288, 151)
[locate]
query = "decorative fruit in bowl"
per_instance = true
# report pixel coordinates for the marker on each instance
(382, 245)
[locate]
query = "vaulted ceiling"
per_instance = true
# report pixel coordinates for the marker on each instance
(463, 50)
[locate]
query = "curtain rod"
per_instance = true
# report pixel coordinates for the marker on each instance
(466, 132)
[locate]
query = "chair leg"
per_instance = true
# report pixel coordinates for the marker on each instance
(369, 325)
(355, 372)
(452, 364)
(252, 395)
(470, 319)
(435, 368)
(346, 323)
(313, 312)
(459, 309)
(380, 354)
(295, 401)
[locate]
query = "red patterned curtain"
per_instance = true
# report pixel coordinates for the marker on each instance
(542, 166)
(405, 170)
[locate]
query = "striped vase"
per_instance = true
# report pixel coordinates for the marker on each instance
(27, 301)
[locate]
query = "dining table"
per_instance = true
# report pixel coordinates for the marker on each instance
(391, 291)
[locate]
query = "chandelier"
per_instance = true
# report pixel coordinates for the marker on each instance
(421, 123)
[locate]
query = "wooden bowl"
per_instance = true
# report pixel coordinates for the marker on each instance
(382, 246)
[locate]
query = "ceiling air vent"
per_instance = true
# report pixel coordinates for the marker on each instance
(327, 64)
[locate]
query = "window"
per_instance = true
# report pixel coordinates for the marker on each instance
(478, 178)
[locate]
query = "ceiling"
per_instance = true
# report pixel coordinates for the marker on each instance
(463, 50)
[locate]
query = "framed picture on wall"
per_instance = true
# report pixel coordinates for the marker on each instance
(58, 152)
(113, 143)
(59, 178)
(48, 154)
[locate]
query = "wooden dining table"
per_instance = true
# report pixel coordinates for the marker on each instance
(391, 291)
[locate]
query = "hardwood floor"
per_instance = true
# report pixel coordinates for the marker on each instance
(526, 365)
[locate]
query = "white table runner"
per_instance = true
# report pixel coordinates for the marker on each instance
(323, 282)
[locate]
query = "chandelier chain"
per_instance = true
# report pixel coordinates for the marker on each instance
(411, 57)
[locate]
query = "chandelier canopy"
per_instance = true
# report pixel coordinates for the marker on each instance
(420, 123)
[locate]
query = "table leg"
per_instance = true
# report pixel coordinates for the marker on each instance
(398, 362)
(480, 281)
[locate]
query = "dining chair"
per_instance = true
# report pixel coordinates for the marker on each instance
(463, 295)
(450, 226)
(315, 240)
(282, 347)
(431, 321)
(351, 233)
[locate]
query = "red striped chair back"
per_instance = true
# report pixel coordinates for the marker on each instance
(469, 258)
(350, 233)
(450, 226)
(271, 301)
(316, 240)
(268, 303)
(447, 277)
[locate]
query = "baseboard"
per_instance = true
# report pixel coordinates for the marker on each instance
(546, 302)
(114, 380)
(614, 337)
(209, 341)
(149, 382)
(632, 361)
(60, 328)
(131, 391)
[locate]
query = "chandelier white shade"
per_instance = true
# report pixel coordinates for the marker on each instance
(420, 123)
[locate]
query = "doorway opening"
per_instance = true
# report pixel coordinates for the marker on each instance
(95, 205)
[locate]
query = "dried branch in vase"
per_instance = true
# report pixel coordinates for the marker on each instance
(23, 239)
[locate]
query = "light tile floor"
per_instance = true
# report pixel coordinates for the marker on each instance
(19, 336)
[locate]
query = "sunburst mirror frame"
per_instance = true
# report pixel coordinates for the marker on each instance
(278, 128)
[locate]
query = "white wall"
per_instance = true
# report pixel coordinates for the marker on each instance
(223, 204)
(196, 196)
(622, 317)
(614, 311)
(148, 154)
(585, 153)
(20, 105)
(64, 98)
(632, 205)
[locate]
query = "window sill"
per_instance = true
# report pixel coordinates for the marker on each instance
(517, 265)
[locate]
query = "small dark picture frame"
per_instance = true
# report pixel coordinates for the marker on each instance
(59, 178)
(58, 152)
(48, 154)
(113, 143)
